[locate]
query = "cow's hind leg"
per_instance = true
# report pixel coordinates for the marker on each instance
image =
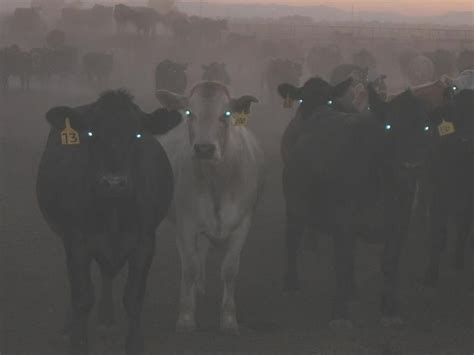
(294, 235)
(106, 312)
(82, 294)
(138, 267)
(229, 272)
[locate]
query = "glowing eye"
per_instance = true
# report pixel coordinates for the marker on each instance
(455, 88)
(426, 128)
(300, 101)
(188, 113)
(388, 127)
(138, 135)
(228, 114)
(90, 134)
(330, 102)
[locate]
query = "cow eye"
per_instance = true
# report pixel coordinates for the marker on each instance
(90, 134)
(138, 135)
(426, 128)
(388, 127)
(300, 101)
(330, 102)
(227, 114)
(188, 113)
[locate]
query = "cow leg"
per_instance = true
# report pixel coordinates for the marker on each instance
(229, 272)
(105, 312)
(138, 267)
(438, 230)
(463, 225)
(343, 244)
(202, 249)
(82, 293)
(294, 234)
(186, 243)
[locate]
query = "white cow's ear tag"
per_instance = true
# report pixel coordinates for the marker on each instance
(446, 128)
(288, 103)
(240, 118)
(69, 136)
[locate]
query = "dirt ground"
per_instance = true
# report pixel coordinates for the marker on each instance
(34, 291)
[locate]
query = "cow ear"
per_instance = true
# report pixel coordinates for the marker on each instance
(341, 88)
(287, 90)
(376, 104)
(242, 104)
(171, 101)
(57, 117)
(160, 121)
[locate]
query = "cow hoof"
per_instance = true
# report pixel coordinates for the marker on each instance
(341, 324)
(391, 322)
(185, 326)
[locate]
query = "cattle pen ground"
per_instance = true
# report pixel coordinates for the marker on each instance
(34, 290)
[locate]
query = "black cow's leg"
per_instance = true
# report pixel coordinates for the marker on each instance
(105, 312)
(82, 294)
(343, 244)
(463, 224)
(138, 267)
(438, 231)
(294, 234)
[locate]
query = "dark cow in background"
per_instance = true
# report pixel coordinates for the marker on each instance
(96, 17)
(352, 175)
(26, 20)
(104, 185)
(450, 177)
(465, 60)
(321, 60)
(444, 62)
(15, 62)
(280, 70)
(171, 76)
(364, 59)
(144, 19)
(98, 68)
(61, 63)
(216, 72)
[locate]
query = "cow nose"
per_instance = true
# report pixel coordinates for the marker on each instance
(204, 150)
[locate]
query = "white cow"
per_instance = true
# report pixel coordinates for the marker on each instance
(218, 168)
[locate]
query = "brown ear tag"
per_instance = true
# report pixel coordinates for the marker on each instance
(288, 103)
(69, 136)
(240, 118)
(446, 128)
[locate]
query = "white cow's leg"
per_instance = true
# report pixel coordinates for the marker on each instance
(186, 242)
(229, 271)
(202, 245)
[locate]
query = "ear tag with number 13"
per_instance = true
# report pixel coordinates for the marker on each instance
(446, 128)
(69, 136)
(240, 118)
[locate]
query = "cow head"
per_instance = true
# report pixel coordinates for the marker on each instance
(408, 130)
(110, 134)
(313, 94)
(210, 115)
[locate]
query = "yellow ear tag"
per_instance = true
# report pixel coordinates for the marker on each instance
(69, 136)
(288, 103)
(446, 128)
(240, 118)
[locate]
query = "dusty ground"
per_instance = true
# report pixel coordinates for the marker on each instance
(34, 289)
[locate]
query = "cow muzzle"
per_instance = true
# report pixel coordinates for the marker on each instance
(113, 185)
(205, 151)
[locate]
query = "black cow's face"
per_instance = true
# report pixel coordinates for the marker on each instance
(409, 131)
(111, 132)
(313, 94)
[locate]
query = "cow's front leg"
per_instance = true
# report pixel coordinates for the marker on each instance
(82, 294)
(105, 312)
(229, 272)
(186, 242)
(138, 267)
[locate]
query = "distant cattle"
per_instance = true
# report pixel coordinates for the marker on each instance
(96, 17)
(352, 175)
(171, 76)
(218, 169)
(15, 62)
(104, 185)
(56, 39)
(364, 59)
(450, 178)
(417, 68)
(216, 72)
(144, 19)
(321, 60)
(278, 71)
(465, 60)
(60, 62)
(444, 62)
(26, 20)
(98, 68)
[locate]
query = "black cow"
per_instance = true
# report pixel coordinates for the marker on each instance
(98, 68)
(171, 76)
(15, 62)
(465, 60)
(351, 175)
(216, 72)
(144, 19)
(104, 185)
(451, 181)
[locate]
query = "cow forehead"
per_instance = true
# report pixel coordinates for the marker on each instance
(209, 105)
